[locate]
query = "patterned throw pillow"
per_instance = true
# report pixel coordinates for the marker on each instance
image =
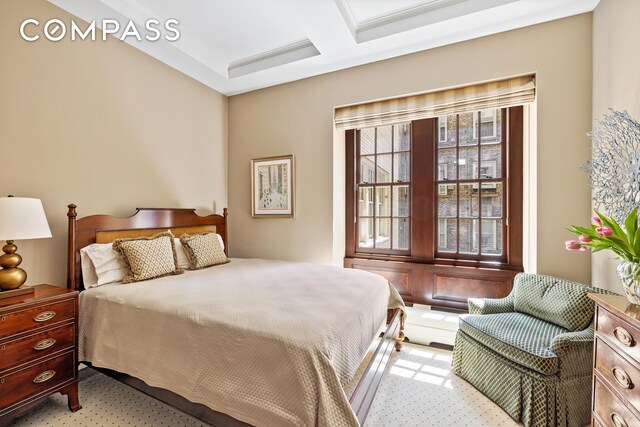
(203, 250)
(148, 257)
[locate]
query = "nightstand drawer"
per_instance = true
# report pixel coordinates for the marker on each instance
(26, 349)
(618, 332)
(36, 379)
(18, 321)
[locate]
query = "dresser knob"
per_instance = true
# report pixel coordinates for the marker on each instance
(3, 318)
(44, 316)
(47, 375)
(44, 344)
(623, 336)
(2, 347)
(618, 421)
(621, 377)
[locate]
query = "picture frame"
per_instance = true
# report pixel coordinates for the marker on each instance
(273, 187)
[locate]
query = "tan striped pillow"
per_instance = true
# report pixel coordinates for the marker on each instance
(148, 257)
(203, 250)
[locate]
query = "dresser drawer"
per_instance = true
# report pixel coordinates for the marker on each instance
(620, 333)
(23, 320)
(36, 379)
(34, 346)
(623, 377)
(609, 409)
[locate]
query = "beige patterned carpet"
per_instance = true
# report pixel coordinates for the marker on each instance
(418, 382)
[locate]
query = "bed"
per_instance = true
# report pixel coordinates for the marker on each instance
(205, 351)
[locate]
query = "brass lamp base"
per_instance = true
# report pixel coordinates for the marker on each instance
(11, 277)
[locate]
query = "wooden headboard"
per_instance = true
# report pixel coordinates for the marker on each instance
(145, 222)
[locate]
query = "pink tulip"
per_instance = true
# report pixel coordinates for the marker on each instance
(604, 231)
(596, 219)
(584, 239)
(572, 245)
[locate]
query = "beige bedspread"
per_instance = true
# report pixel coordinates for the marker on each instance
(267, 342)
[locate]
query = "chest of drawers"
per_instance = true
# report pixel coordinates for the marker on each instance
(38, 350)
(616, 362)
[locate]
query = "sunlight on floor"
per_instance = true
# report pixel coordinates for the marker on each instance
(423, 373)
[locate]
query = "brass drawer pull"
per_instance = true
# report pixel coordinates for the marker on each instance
(621, 377)
(44, 344)
(47, 375)
(44, 316)
(623, 336)
(618, 421)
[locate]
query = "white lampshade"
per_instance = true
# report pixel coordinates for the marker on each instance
(22, 218)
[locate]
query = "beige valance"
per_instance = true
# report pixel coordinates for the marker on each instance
(497, 94)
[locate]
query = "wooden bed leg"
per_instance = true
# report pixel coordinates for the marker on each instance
(400, 338)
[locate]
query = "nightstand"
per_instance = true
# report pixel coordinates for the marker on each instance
(38, 349)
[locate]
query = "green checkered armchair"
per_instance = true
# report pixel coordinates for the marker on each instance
(531, 352)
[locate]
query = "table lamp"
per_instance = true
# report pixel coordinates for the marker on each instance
(21, 218)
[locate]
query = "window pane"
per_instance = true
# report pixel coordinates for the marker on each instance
(401, 167)
(383, 201)
(365, 233)
(468, 163)
(367, 169)
(368, 141)
(446, 164)
(492, 237)
(400, 233)
(490, 126)
(447, 131)
(365, 201)
(467, 133)
(447, 235)
(468, 201)
(469, 236)
(491, 161)
(384, 139)
(384, 168)
(383, 226)
(402, 137)
(447, 200)
(401, 200)
(492, 200)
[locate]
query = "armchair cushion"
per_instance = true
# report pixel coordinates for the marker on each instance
(516, 336)
(561, 302)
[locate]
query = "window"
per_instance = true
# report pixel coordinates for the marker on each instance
(383, 187)
(437, 190)
(488, 125)
(475, 205)
(442, 129)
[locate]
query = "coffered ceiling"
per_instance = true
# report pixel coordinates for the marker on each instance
(235, 46)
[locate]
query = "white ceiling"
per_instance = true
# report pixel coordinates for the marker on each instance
(236, 46)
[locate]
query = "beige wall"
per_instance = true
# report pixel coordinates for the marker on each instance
(102, 125)
(616, 84)
(296, 118)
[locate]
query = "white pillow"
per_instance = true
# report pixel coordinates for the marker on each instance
(183, 261)
(108, 267)
(89, 276)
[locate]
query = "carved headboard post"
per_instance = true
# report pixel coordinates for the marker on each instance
(71, 248)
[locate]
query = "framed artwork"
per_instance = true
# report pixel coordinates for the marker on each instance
(272, 191)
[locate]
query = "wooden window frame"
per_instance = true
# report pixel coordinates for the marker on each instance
(423, 197)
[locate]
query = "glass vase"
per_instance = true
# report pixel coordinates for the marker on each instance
(629, 274)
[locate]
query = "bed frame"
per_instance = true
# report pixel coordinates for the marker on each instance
(146, 222)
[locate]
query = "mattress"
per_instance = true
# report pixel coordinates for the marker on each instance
(269, 343)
